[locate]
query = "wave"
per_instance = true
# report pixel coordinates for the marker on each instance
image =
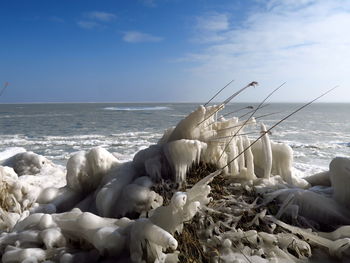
(44, 115)
(315, 145)
(137, 108)
(308, 169)
(347, 144)
(60, 148)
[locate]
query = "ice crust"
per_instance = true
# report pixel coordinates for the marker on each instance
(113, 212)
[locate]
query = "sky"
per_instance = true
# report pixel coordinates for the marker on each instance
(173, 50)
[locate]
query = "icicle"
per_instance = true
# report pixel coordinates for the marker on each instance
(234, 170)
(249, 159)
(181, 154)
(266, 144)
(241, 163)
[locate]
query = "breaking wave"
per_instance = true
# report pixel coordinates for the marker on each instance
(155, 108)
(61, 147)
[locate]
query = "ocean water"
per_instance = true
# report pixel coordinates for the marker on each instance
(317, 134)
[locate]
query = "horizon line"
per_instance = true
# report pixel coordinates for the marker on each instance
(166, 102)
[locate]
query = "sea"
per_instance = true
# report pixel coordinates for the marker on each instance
(317, 134)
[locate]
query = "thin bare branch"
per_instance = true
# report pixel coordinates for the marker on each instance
(3, 89)
(236, 126)
(277, 123)
(248, 107)
(252, 84)
(256, 118)
(229, 136)
(268, 114)
(259, 107)
(219, 92)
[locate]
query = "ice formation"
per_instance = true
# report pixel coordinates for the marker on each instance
(27, 163)
(86, 170)
(98, 208)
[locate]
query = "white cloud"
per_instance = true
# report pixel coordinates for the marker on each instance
(303, 42)
(95, 19)
(209, 27)
(87, 24)
(213, 22)
(137, 37)
(101, 16)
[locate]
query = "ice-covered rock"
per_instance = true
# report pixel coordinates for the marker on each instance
(339, 169)
(144, 238)
(110, 192)
(28, 163)
(9, 152)
(150, 162)
(85, 170)
(137, 197)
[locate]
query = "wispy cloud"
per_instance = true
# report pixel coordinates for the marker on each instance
(95, 19)
(137, 37)
(303, 42)
(213, 22)
(209, 27)
(100, 16)
(88, 24)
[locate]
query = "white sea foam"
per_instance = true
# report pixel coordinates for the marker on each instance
(309, 169)
(156, 108)
(60, 147)
(44, 115)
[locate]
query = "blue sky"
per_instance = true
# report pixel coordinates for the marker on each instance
(173, 50)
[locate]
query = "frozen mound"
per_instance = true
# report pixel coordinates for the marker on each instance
(9, 152)
(85, 170)
(19, 192)
(26, 163)
(206, 192)
(49, 235)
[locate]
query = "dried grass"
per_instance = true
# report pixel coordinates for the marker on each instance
(191, 248)
(6, 202)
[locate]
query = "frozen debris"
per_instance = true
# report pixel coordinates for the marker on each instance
(160, 207)
(336, 248)
(145, 238)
